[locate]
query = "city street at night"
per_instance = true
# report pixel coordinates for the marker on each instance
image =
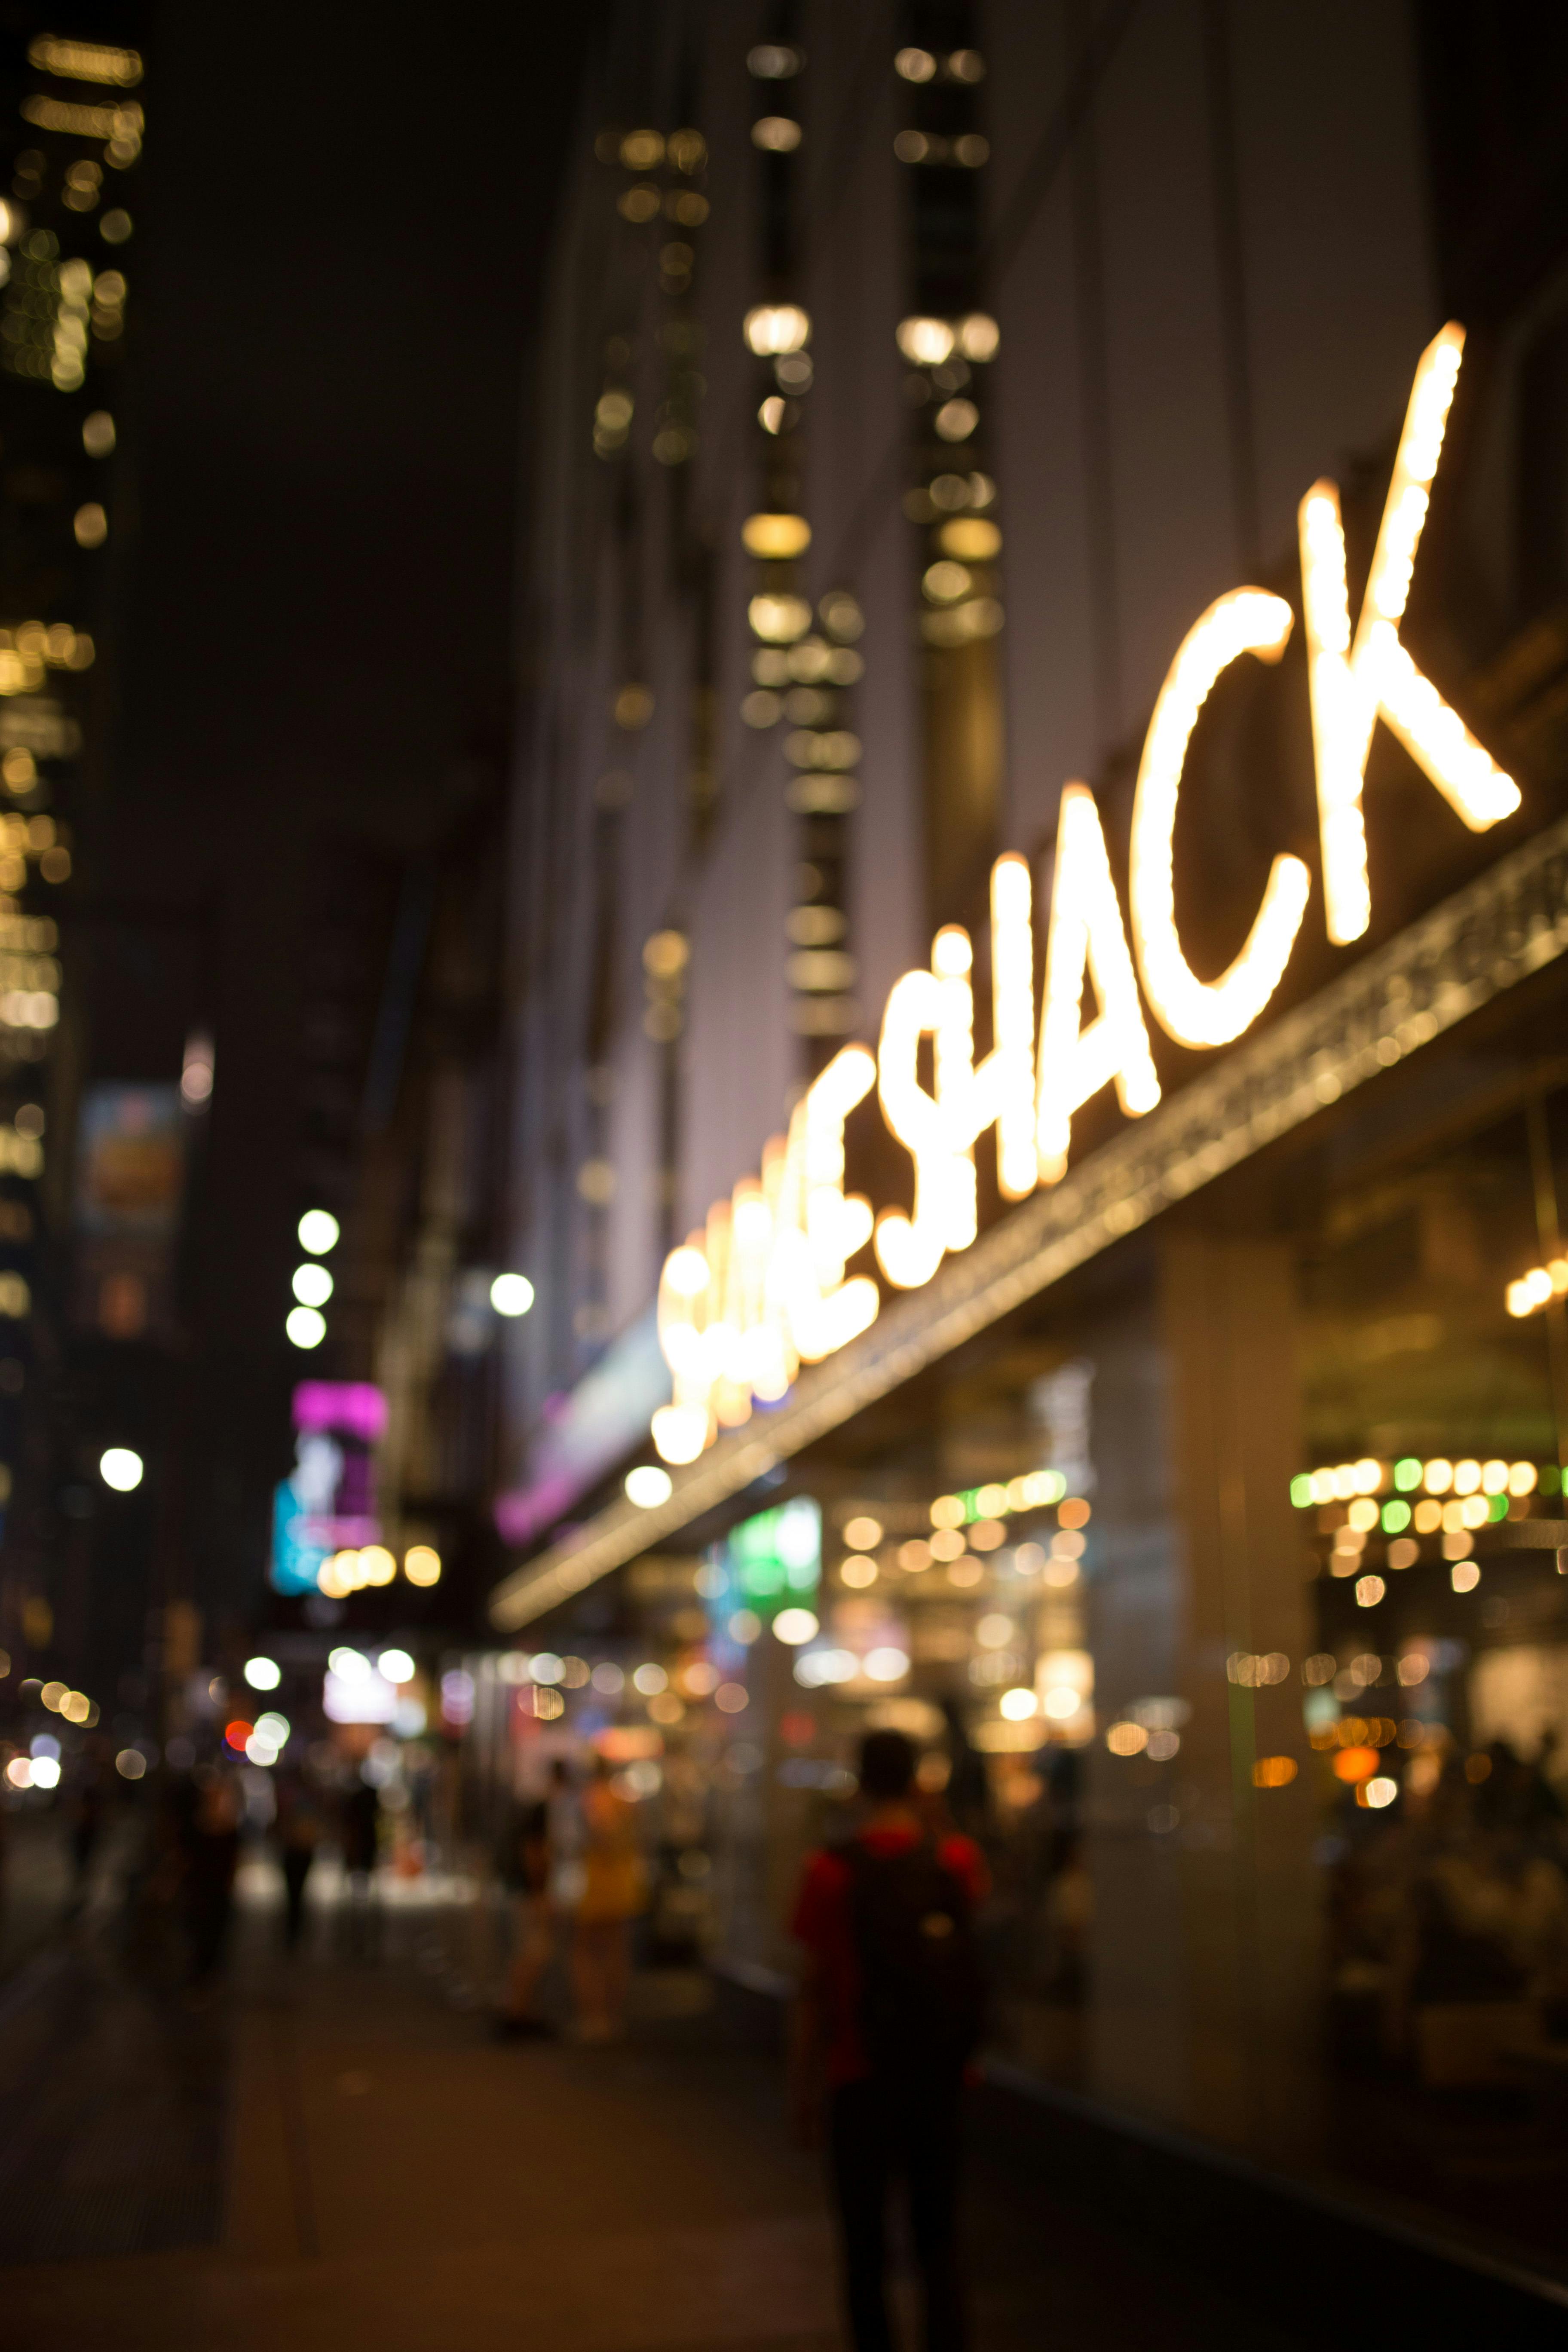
(784, 1176)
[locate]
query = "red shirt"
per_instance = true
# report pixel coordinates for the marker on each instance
(822, 1922)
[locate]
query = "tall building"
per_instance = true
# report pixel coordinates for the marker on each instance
(93, 1170)
(1037, 966)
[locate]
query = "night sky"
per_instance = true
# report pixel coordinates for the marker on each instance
(345, 213)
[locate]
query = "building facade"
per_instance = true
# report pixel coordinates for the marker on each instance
(90, 1268)
(1075, 1272)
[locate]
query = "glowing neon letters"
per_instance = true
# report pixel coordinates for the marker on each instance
(763, 1289)
(939, 1131)
(1086, 936)
(1196, 1011)
(1353, 685)
(742, 1305)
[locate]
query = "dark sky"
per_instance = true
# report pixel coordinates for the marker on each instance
(336, 270)
(348, 209)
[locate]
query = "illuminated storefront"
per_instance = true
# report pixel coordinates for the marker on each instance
(1157, 1310)
(1202, 1513)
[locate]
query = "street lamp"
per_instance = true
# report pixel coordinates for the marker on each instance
(119, 1468)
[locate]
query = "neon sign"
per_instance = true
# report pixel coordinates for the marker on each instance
(764, 1288)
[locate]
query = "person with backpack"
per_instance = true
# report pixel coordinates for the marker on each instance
(889, 2013)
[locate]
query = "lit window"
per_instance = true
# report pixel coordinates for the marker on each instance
(776, 135)
(779, 620)
(925, 343)
(955, 420)
(775, 538)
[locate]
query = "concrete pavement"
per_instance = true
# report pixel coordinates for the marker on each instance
(352, 2162)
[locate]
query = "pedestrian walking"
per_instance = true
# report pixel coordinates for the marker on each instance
(359, 1830)
(614, 1889)
(211, 1856)
(528, 1867)
(88, 1809)
(888, 2018)
(299, 1830)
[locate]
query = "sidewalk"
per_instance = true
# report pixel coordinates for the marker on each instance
(384, 2175)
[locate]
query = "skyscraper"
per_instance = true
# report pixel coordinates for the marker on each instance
(72, 140)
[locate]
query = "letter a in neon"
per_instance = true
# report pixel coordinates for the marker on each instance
(1086, 936)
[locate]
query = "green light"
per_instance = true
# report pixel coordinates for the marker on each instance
(1497, 1507)
(778, 1551)
(1395, 1519)
(1551, 1479)
(1407, 1474)
(1301, 1490)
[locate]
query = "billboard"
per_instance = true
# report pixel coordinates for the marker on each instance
(327, 1503)
(130, 1181)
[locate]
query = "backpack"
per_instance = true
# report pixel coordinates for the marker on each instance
(923, 2000)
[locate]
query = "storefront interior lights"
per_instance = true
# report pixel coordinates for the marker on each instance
(1473, 1482)
(1352, 685)
(1538, 1288)
(1196, 1011)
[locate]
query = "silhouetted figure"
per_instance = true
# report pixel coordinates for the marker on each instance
(529, 1871)
(888, 2017)
(968, 1790)
(298, 1832)
(88, 1809)
(212, 1854)
(361, 1833)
